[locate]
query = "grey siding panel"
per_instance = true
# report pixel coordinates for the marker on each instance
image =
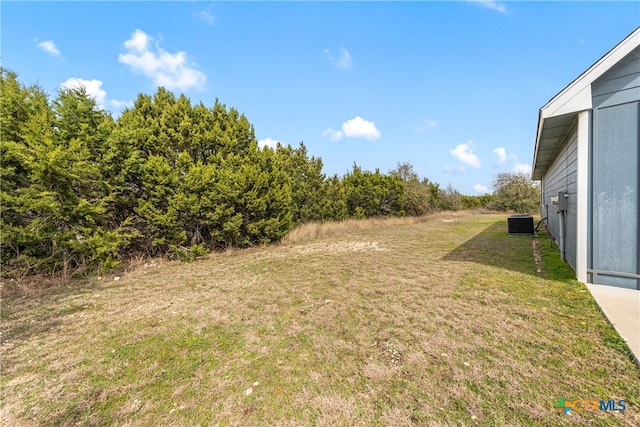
(614, 193)
(614, 158)
(619, 85)
(626, 70)
(562, 176)
(616, 98)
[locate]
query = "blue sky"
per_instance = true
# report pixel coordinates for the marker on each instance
(454, 88)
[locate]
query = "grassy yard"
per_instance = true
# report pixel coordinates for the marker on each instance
(442, 321)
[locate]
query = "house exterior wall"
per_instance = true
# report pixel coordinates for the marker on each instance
(614, 199)
(562, 176)
(621, 84)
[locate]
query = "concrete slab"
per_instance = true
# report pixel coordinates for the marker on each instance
(622, 307)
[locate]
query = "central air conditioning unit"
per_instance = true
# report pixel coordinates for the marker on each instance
(520, 225)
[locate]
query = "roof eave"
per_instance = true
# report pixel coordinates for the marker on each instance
(576, 96)
(535, 171)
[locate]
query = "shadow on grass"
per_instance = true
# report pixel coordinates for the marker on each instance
(494, 247)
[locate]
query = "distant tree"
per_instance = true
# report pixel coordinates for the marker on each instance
(371, 194)
(421, 197)
(450, 199)
(476, 202)
(514, 191)
(307, 182)
(334, 203)
(53, 191)
(434, 192)
(405, 172)
(25, 119)
(416, 193)
(470, 202)
(192, 175)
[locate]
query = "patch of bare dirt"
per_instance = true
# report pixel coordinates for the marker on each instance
(537, 256)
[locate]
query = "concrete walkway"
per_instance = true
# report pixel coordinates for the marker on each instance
(622, 308)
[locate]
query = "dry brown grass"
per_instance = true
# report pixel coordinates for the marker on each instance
(316, 230)
(442, 321)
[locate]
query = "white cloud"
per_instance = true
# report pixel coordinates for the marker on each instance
(354, 128)
(427, 124)
(464, 153)
(360, 128)
(120, 104)
(170, 70)
(480, 189)
(139, 41)
(94, 90)
(522, 167)
(491, 4)
(207, 17)
(501, 152)
(50, 47)
(92, 87)
(332, 134)
(343, 61)
(268, 142)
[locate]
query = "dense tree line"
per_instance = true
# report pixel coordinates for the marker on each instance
(515, 192)
(80, 189)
